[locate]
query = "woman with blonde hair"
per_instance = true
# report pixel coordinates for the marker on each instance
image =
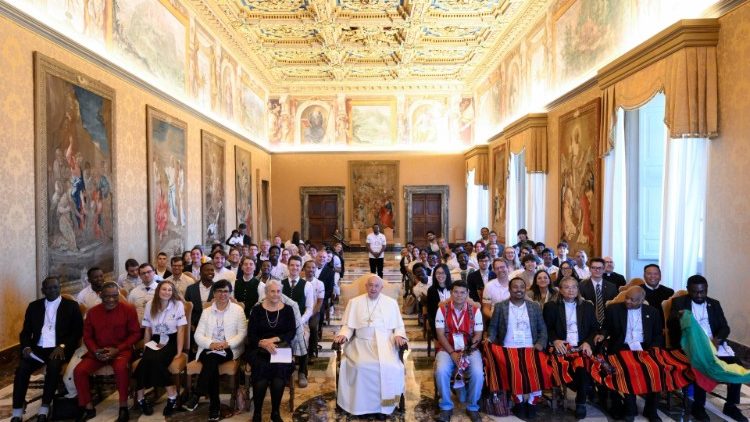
(165, 323)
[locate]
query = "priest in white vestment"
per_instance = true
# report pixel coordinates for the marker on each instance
(371, 377)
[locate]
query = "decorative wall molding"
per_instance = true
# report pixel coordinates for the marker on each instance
(443, 190)
(529, 121)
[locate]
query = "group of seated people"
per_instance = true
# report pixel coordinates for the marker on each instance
(246, 304)
(544, 312)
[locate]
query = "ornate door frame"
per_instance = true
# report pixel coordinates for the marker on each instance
(304, 196)
(443, 190)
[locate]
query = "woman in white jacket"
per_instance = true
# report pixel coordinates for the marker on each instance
(220, 337)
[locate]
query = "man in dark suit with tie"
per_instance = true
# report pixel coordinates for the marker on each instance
(632, 325)
(708, 313)
(52, 330)
(596, 289)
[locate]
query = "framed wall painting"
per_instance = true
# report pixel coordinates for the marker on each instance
(214, 197)
(74, 182)
(580, 178)
(167, 182)
(374, 186)
(372, 121)
(243, 185)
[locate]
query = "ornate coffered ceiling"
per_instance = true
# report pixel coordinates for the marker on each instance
(369, 45)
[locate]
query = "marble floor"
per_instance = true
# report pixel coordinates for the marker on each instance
(317, 401)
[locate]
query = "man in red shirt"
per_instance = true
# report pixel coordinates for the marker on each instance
(109, 333)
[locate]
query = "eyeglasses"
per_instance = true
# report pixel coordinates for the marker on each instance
(597, 268)
(222, 291)
(147, 272)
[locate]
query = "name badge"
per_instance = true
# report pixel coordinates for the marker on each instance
(219, 333)
(163, 339)
(458, 341)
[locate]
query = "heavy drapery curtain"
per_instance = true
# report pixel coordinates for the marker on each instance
(477, 204)
(478, 161)
(684, 210)
(614, 206)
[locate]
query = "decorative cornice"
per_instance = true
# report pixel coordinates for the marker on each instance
(683, 34)
(533, 120)
(584, 86)
(31, 23)
(477, 150)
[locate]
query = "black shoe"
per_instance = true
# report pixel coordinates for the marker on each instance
(214, 415)
(580, 411)
(733, 412)
(257, 416)
(124, 415)
(276, 417)
(653, 418)
(146, 407)
(699, 414)
(169, 408)
(530, 410)
(86, 414)
(519, 409)
(192, 403)
(16, 419)
(378, 417)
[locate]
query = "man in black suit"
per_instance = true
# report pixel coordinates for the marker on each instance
(246, 240)
(708, 313)
(631, 325)
(597, 290)
(200, 292)
(610, 275)
(655, 292)
(325, 272)
(477, 279)
(52, 330)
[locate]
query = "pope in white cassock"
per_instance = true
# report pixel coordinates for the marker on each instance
(371, 377)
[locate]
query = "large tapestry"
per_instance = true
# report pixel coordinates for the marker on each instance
(580, 178)
(500, 183)
(75, 179)
(167, 189)
(243, 187)
(374, 187)
(214, 200)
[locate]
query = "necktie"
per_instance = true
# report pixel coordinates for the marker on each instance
(599, 304)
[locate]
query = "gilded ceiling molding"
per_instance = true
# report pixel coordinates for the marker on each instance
(683, 34)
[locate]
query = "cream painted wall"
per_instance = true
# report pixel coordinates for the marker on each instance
(18, 277)
(292, 171)
(728, 202)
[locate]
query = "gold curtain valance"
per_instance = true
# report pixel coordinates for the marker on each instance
(477, 159)
(680, 61)
(530, 133)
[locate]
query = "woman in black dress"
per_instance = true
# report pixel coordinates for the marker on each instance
(271, 325)
(438, 292)
(165, 323)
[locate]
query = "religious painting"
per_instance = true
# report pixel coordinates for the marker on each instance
(75, 178)
(214, 199)
(252, 111)
(243, 186)
(499, 183)
(585, 33)
(466, 120)
(580, 178)
(374, 186)
(152, 35)
(86, 17)
(373, 122)
(227, 82)
(202, 67)
(313, 124)
(167, 182)
(274, 121)
(429, 124)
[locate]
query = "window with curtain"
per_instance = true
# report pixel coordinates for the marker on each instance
(477, 207)
(654, 197)
(516, 194)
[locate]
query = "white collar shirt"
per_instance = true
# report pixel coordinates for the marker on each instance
(48, 337)
(519, 327)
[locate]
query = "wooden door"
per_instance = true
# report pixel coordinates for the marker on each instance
(322, 214)
(426, 215)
